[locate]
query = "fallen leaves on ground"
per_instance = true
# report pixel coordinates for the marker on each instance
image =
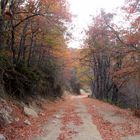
(131, 125)
(70, 116)
(109, 130)
(20, 131)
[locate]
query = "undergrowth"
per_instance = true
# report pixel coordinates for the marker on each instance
(22, 81)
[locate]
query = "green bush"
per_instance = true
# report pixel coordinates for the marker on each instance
(21, 81)
(29, 72)
(5, 63)
(112, 102)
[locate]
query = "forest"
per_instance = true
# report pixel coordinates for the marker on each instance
(37, 65)
(33, 50)
(35, 59)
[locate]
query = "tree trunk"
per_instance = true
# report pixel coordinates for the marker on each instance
(103, 85)
(30, 49)
(12, 45)
(21, 50)
(3, 4)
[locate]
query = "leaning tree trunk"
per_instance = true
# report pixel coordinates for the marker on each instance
(103, 85)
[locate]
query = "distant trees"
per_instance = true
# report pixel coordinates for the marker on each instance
(71, 70)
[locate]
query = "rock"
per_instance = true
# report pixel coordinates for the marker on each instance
(57, 116)
(2, 101)
(17, 119)
(5, 113)
(8, 109)
(5, 116)
(54, 121)
(27, 122)
(30, 112)
(42, 114)
(2, 137)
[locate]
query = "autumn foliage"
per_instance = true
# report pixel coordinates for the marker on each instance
(33, 36)
(111, 53)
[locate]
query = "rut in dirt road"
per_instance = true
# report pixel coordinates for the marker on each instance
(87, 131)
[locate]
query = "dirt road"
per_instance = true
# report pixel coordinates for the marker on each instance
(88, 119)
(72, 122)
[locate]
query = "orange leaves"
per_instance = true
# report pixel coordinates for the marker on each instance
(69, 116)
(20, 131)
(56, 8)
(124, 71)
(66, 135)
(133, 29)
(110, 130)
(105, 128)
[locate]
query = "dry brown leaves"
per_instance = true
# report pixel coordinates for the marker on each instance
(131, 125)
(70, 116)
(20, 131)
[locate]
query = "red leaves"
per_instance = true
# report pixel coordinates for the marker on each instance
(66, 134)
(20, 131)
(105, 128)
(125, 71)
(70, 117)
(137, 112)
(108, 130)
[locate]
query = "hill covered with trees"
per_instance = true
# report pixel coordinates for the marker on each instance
(33, 50)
